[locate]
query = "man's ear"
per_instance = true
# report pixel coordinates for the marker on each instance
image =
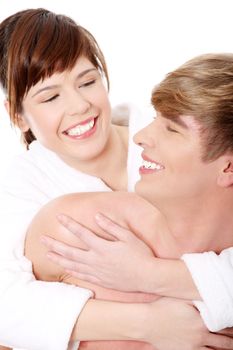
(225, 177)
(21, 121)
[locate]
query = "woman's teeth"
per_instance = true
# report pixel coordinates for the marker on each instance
(149, 165)
(81, 129)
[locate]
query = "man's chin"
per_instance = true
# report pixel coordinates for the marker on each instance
(141, 189)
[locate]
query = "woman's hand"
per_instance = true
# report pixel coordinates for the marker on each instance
(176, 325)
(118, 264)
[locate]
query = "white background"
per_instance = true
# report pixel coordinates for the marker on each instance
(142, 40)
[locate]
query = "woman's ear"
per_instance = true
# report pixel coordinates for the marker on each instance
(6, 105)
(225, 177)
(21, 121)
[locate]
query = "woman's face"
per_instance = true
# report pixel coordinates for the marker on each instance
(70, 113)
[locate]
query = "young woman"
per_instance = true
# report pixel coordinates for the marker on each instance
(54, 78)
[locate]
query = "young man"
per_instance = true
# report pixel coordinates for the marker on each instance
(187, 176)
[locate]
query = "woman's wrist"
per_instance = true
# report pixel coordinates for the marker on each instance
(106, 320)
(168, 277)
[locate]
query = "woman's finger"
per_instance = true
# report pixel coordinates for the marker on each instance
(113, 228)
(83, 233)
(63, 249)
(220, 341)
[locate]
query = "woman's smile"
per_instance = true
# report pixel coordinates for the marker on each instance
(83, 129)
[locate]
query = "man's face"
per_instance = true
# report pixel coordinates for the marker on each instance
(172, 171)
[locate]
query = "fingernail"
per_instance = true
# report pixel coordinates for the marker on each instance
(60, 217)
(43, 239)
(99, 216)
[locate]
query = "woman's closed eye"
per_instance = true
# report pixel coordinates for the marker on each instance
(51, 98)
(88, 83)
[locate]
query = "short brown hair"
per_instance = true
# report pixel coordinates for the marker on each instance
(202, 88)
(36, 43)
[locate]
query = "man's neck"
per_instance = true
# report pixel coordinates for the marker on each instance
(197, 228)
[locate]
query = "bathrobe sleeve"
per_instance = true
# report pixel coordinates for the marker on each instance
(213, 276)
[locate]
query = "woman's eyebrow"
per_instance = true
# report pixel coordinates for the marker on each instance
(44, 89)
(81, 74)
(49, 87)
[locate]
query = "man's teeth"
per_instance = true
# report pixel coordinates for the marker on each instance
(149, 165)
(81, 129)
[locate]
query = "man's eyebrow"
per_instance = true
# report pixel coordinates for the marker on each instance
(50, 87)
(179, 121)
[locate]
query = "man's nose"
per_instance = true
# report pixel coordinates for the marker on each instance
(144, 137)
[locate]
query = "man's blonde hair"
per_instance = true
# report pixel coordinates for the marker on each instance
(202, 88)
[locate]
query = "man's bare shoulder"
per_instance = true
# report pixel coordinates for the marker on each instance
(108, 198)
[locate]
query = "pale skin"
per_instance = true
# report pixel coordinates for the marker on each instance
(208, 184)
(102, 320)
(163, 276)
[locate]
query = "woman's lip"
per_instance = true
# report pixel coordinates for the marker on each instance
(81, 123)
(86, 134)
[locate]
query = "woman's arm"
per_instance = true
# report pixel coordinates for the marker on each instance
(138, 270)
(165, 323)
(23, 300)
(213, 274)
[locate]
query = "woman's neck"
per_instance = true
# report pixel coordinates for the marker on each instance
(114, 171)
(111, 165)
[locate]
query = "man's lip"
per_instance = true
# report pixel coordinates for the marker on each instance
(81, 123)
(145, 157)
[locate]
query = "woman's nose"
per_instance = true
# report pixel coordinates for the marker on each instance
(77, 104)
